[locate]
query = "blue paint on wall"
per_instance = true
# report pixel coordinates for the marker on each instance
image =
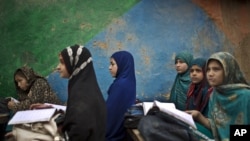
(59, 85)
(154, 31)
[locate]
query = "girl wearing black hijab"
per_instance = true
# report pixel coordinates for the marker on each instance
(85, 118)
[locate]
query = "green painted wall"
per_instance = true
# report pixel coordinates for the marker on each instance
(32, 32)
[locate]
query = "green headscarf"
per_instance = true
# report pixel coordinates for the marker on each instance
(181, 84)
(230, 102)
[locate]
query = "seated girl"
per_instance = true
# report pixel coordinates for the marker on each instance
(31, 88)
(199, 91)
(178, 94)
(230, 100)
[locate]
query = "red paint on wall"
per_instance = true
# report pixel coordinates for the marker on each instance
(233, 18)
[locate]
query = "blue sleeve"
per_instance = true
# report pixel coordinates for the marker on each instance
(117, 103)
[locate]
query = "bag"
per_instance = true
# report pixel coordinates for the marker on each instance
(133, 116)
(38, 131)
(4, 116)
(160, 126)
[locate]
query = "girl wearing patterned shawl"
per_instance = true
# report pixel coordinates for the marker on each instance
(31, 88)
(230, 100)
(178, 94)
(121, 94)
(199, 90)
(85, 118)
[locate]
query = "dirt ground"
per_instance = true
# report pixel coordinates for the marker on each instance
(233, 18)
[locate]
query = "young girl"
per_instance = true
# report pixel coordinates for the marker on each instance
(85, 118)
(178, 94)
(199, 90)
(121, 94)
(31, 88)
(230, 100)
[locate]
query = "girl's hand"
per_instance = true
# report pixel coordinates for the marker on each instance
(198, 117)
(8, 135)
(11, 104)
(195, 114)
(40, 106)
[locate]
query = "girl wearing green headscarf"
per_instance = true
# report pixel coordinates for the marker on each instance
(178, 94)
(229, 103)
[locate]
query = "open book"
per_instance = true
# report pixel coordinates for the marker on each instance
(58, 107)
(170, 109)
(30, 116)
(148, 105)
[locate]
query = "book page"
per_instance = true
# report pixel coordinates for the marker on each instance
(13, 99)
(30, 116)
(170, 109)
(181, 115)
(58, 107)
(147, 106)
(162, 105)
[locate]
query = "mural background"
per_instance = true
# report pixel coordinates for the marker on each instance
(33, 32)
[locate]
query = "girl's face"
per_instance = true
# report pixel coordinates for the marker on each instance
(215, 73)
(113, 67)
(196, 74)
(181, 66)
(22, 82)
(61, 68)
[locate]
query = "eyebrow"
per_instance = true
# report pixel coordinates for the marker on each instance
(61, 60)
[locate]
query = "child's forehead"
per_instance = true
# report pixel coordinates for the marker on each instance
(214, 61)
(179, 59)
(195, 66)
(61, 59)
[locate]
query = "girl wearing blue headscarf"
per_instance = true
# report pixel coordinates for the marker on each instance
(229, 103)
(199, 91)
(121, 94)
(178, 94)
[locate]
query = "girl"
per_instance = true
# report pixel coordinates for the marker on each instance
(199, 90)
(230, 100)
(121, 94)
(178, 94)
(31, 88)
(85, 118)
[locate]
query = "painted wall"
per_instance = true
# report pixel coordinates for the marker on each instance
(152, 30)
(33, 32)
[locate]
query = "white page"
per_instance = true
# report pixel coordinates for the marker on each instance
(181, 115)
(30, 116)
(161, 105)
(13, 99)
(58, 107)
(147, 106)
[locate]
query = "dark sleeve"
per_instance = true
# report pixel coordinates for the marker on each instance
(80, 116)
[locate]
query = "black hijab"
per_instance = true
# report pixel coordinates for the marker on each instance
(86, 110)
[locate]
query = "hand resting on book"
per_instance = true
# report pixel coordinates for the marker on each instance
(40, 106)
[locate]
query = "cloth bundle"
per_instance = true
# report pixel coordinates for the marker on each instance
(38, 131)
(160, 126)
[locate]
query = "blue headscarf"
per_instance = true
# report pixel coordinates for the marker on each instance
(181, 84)
(230, 102)
(121, 95)
(198, 94)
